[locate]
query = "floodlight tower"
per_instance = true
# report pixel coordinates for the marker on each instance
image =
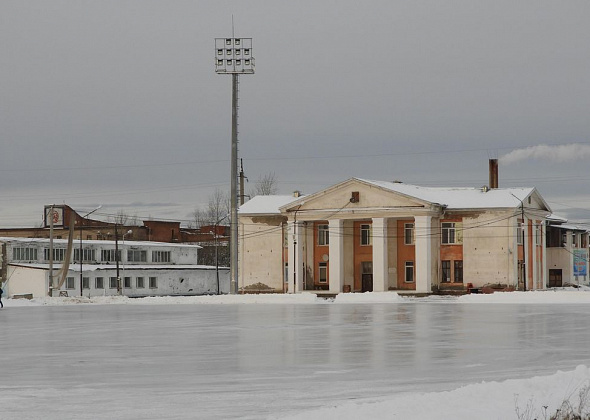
(234, 56)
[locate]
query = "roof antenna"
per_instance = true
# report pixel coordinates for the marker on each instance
(232, 26)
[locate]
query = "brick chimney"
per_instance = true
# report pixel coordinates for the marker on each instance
(493, 173)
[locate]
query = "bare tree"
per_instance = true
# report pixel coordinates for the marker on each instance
(218, 206)
(265, 185)
(120, 218)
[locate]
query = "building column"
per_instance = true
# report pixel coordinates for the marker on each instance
(336, 250)
(380, 262)
(423, 263)
(515, 247)
(545, 273)
(535, 256)
(570, 249)
(295, 257)
(526, 253)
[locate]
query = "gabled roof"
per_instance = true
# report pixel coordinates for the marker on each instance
(266, 204)
(462, 198)
(453, 198)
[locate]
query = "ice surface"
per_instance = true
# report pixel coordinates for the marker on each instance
(293, 356)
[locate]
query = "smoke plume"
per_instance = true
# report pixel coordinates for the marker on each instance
(562, 153)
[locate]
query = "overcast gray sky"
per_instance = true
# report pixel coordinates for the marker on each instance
(117, 102)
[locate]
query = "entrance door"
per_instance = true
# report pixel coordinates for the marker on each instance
(555, 278)
(367, 276)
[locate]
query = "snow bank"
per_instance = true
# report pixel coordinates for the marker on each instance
(566, 295)
(486, 400)
(303, 298)
(569, 296)
(369, 297)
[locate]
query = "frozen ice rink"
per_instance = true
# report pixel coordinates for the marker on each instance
(145, 361)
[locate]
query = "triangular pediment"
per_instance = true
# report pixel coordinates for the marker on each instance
(354, 194)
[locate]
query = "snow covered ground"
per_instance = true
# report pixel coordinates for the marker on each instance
(373, 355)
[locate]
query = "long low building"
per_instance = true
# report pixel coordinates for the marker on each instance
(106, 268)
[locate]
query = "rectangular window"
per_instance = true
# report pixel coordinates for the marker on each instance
(58, 254)
(136, 255)
(113, 282)
(458, 271)
(519, 232)
(127, 283)
(88, 255)
(153, 282)
(139, 283)
(323, 272)
(99, 283)
(409, 278)
(446, 271)
(285, 230)
(70, 283)
(108, 255)
(323, 235)
(538, 232)
(24, 254)
(366, 235)
(408, 233)
(161, 256)
(86, 282)
(450, 233)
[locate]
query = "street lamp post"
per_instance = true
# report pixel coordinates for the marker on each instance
(80, 256)
(234, 56)
(523, 227)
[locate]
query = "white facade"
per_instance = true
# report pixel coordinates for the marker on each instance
(145, 269)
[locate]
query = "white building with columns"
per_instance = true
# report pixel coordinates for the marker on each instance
(362, 235)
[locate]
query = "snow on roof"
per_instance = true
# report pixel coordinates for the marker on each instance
(459, 198)
(121, 242)
(122, 267)
(266, 204)
(572, 227)
(554, 218)
(450, 197)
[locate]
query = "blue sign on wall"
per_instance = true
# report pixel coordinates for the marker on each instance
(580, 262)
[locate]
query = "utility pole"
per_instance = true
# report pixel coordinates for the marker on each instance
(51, 251)
(234, 56)
(523, 227)
(117, 260)
(81, 257)
(524, 280)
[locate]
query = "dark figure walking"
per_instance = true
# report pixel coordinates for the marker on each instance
(1, 304)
